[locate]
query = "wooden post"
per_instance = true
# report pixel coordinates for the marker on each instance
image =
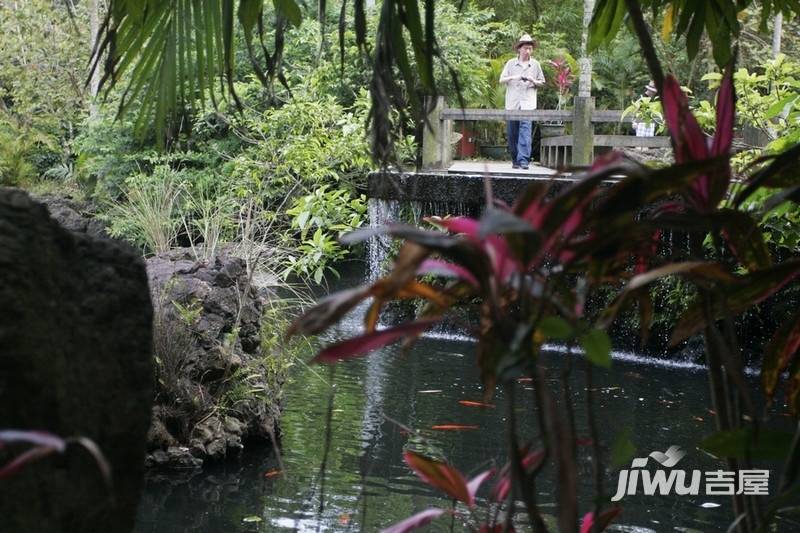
(582, 131)
(436, 149)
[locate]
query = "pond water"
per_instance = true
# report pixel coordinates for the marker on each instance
(349, 475)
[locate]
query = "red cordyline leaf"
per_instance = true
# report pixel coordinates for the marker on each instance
(503, 485)
(496, 248)
(503, 262)
(535, 213)
(726, 111)
(643, 259)
(440, 475)
(372, 341)
(466, 225)
(723, 137)
(28, 456)
(606, 517)
(779, 353)
(439, 267)
(476, 482)
(413, 522)
(690, 142)
(44, 445)
(687, 136)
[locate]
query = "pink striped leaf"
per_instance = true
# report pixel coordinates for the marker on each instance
(779, 353)
(466, 225)
(475, 483)
(413, 522)
(687, 136)
(443, 268)
(372, 341)
(38, 438)
(726, 110)
(28, 456)
(606, 517)
(440, 475)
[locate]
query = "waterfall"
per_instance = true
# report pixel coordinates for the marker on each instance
(381, 212)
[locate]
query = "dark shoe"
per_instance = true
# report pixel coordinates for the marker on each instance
(514, 165)
(524, 167)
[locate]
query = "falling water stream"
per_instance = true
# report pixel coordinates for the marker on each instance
(349, 475)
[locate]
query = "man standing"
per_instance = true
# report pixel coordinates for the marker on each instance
(521, 75)
(646, 129)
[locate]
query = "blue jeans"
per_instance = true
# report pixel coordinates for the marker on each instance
(519, 141)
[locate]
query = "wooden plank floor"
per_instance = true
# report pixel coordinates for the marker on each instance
(498, 168)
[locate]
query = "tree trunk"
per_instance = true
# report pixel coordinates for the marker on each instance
(94, 82)
(777, 31)
(585, 79)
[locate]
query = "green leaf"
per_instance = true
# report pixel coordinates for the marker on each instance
(695, 31)
(597, 346)
(739, 443)
(744, 237)
(290, 10)
(777, 108)
(249, 11)
(302, 219)
(606, 21)
(554, 327)
(745, 292)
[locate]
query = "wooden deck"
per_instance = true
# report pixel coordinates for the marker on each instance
(499, 168)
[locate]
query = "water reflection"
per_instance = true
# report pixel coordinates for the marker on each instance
(365, 486)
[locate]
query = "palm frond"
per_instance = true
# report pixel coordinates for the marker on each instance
(172, 55)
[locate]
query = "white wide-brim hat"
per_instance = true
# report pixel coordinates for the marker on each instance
(525, 39)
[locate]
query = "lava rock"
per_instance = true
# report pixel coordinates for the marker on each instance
(207, 338)
(76, 361)
(78, 217)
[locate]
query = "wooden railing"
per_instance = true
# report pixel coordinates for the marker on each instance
(577, 148)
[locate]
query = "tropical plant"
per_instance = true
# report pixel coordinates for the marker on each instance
(530, 268)
(770, 100)
(563, 79)
(329, 213)
(20, 148)
(148, 216)
(648, 110)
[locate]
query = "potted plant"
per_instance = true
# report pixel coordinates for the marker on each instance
(646, 110)
(562, 79)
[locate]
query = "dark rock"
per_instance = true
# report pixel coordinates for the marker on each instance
(208, 332)
(182, 457)
(75, 216)
(75, 360)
